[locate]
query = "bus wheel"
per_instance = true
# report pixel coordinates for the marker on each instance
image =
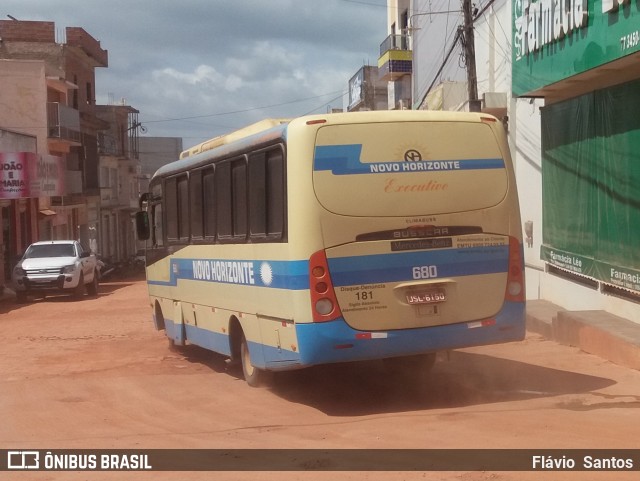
(252, 375)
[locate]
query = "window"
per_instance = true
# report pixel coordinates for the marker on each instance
(276, 192)
(183, 207)
(232, 200)
(157, 232)
(209, 203)
(223, 200)
(258, 196)
(157, 236)
(239, 199)
(104, 177)
(195, 194)
(171, 203)
(267, 194)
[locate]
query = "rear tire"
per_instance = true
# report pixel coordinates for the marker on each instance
(255, 377)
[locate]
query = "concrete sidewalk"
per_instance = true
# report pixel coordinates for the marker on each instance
(596, 332)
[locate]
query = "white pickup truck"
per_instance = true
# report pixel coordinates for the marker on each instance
(56, 266)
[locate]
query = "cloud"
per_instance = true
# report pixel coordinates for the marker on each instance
(232, 61)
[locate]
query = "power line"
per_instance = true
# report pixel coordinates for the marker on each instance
(231, 112)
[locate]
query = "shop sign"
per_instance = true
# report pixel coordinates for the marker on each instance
(548, 21)
(557, 39)
(27, 174)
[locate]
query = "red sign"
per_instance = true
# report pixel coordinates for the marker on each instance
(27, 174)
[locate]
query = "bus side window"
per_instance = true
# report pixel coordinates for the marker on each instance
(171, 211)
(266, 195)
(183, 208)
(275, 194)
(209, 204)
(195, 203)
(239, 199)
(157, 236)
(258, 195)
(223, 200)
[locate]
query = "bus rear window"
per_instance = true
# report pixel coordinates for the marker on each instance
(408, 168)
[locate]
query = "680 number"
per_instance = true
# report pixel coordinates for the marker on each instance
(425, 272)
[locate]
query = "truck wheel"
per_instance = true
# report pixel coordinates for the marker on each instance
(92, 288)
(21, 297)
(78, 292)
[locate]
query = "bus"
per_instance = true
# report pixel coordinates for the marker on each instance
(340, 237)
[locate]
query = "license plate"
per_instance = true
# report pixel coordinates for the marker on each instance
(427, 297)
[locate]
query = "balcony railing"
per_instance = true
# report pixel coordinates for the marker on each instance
(394, 42)
(63, 122)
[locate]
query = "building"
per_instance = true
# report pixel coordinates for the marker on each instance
(562, 82)
(395, 64)
(48, 92)
(584, 63)
(119, 168)
(154, 153)
(366, 91)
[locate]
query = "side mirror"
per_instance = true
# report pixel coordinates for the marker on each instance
(142, 225)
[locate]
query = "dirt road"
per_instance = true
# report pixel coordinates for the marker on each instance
(94, 373)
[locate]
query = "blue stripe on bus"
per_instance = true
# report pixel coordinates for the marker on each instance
(336, 341)
(290, 275)
(346, 160)
(348, 271)
(345, 271)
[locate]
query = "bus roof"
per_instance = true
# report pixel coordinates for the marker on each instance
(227, 145)
(244, 132)
(268, 130)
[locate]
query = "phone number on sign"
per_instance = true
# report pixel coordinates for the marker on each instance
(630, 40)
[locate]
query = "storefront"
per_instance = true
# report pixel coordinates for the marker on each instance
(583, 58)
(27, 180)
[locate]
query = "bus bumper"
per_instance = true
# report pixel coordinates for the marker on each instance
(335, 341)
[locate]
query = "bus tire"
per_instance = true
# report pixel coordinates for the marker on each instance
(171, 343)
(254, 376)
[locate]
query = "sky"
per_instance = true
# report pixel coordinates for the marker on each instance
(200, 68)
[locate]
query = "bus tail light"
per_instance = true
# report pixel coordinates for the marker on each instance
(324, 304)
(515, 274)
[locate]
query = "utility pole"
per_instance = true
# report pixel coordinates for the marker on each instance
(470, 57)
